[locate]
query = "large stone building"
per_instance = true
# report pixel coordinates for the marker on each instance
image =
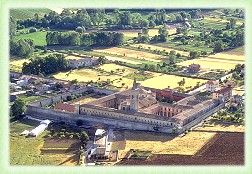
(141, 105)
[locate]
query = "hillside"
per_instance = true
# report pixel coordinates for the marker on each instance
(24, 13)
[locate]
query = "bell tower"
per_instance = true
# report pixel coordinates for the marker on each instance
(134, 97)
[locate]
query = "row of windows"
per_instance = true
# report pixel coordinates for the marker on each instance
(128, 117)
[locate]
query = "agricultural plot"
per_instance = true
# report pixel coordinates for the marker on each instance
(211, 64)
(228, 56)
(131, 53)
(112, 58)
(123, 70)
(87, 75)
(166, 144)
(16, 65)
(163, 81)
(152, 47)
(222, 149)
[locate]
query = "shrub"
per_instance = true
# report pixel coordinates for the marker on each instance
(32, 30)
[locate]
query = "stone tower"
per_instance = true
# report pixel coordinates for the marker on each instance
(134, 96)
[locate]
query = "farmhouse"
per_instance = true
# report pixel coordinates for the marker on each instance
(211, 86)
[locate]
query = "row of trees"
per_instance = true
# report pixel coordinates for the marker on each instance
(22, 47)
(87, 18)
(45, 65)
(101, 38)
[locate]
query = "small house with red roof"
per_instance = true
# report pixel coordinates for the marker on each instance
(65, 107)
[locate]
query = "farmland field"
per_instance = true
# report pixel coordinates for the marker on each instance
(208, 63)
(131, 53)
(123, 70)
(163, 81)
(222, 149)
(152, 47)
(86, 75)
(166, 144)
(112, 58)
(228, 56)
(39, 37)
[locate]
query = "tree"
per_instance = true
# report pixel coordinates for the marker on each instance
(13, 26)
(18, 107)
(75, 81)
(218, 46)
(79, 122)
(84, 138)
(102, 60)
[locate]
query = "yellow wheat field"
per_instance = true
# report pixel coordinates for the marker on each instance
(166, 144)
(163, 81)
(152, 47)
(208, 63)
(131, 53)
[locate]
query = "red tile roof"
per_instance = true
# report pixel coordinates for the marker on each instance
(223, 90)
(65, 107)
(210, 82)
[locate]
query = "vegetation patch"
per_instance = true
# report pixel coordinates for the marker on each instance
(140, 76)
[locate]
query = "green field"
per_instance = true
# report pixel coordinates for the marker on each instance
(26, 151)
(21, 13)
(30, 99)
(39, 37)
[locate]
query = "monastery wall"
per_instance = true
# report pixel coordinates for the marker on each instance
(42, 113)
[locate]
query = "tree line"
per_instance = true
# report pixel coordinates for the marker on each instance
(120, 19)
(45, 65)
(101, 38)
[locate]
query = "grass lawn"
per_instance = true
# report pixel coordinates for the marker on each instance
(39, 37)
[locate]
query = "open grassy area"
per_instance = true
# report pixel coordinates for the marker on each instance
(27, 151)
(162, 81)
(140, 76)
(118, 69)
(24, 13)
(39, 37)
